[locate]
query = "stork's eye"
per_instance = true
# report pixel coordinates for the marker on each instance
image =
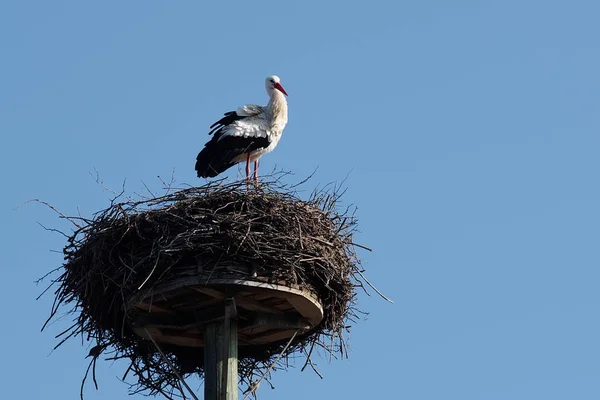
(272, 80)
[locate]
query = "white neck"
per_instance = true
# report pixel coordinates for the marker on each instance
(278, 107)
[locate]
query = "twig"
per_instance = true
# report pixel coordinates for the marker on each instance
(151, 272)
(92, 362)
(39, 280)
(148, 189)
(171, 365)
(361, 246)
(50, 207)
(303, 181)
(257, 383)
(53, 230)
(373, 287)
(309, 362)
(300, 232)
(321, 241)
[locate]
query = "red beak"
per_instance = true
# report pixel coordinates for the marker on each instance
(280, 88)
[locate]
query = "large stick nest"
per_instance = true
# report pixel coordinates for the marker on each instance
(150, 241)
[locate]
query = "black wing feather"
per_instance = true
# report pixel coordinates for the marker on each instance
(229, 118)
(218, 154)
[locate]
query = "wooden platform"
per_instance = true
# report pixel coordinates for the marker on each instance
(177, 313)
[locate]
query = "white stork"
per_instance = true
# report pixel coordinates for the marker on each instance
(245, 134)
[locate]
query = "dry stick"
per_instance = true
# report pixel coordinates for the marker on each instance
(93, 361)
(321, 241)
(255, 384)
(374, 288)
(361, 246)
(309, 361)
(312, 346)
(314, 368)
(37, 281)
(300, 233)
(50, 207)
(151, 272)
(170, 365)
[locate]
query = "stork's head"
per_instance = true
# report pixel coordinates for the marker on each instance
(272, 83)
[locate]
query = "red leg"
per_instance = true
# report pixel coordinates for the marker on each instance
(248, 167)
(256, 171)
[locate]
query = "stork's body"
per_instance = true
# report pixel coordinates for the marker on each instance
(245, 134)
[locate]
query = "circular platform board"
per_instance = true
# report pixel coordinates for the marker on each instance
(176, 313)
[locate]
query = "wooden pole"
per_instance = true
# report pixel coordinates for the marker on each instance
(212, 366)
(229, 383)
(220, 356)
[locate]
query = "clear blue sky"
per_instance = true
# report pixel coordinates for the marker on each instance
(470, 130)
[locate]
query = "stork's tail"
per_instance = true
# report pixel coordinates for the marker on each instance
(209, 166)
